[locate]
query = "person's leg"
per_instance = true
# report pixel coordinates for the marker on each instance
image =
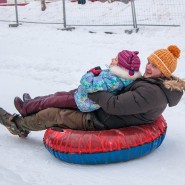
(58, 100)
(56, 117)
(27, 96)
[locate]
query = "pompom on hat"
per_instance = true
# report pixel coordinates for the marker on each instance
(165, 59)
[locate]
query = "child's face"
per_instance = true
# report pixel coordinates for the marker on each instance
(114, 62)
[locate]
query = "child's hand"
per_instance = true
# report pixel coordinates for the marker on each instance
(96, 70)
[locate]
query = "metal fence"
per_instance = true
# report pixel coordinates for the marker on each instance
(134, 14)
(160, 12)
(147, 12)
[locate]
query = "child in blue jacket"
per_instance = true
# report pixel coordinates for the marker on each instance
(121, 72)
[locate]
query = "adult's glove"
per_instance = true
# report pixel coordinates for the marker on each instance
(96, 70)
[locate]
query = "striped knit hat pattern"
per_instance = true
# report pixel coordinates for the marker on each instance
(129, 60)
(165, 59)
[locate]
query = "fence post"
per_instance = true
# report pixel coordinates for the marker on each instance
(135, 29)
(64, 18)
(64, 13)
(134, 14)
(16, 14)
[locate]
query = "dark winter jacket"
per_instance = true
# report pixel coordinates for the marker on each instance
(139, 103)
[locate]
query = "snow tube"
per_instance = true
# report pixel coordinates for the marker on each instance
(107, 146)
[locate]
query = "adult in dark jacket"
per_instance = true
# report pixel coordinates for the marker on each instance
(139, 103)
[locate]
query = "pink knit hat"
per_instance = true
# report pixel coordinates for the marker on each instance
(129, 60)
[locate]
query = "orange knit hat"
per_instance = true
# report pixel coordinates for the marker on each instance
(165, 59)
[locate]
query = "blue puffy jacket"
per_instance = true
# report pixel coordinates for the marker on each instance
(105, 81)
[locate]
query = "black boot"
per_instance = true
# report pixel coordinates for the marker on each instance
(26, 97)
(8, 121)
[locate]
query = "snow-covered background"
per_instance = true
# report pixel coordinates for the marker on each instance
(40, 59)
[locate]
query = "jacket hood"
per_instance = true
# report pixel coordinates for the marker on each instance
(173, 88)
(174, 83)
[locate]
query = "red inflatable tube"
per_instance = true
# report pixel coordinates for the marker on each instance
(91, 142)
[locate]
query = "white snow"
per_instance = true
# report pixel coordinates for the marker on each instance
(40, 60)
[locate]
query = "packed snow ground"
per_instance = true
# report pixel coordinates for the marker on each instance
(40, 59)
